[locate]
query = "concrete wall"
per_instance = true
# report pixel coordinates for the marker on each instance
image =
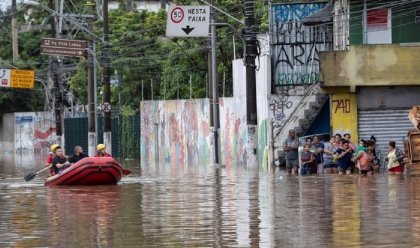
(8, 137)
(175, 132)
(371, 65)
(29, 132)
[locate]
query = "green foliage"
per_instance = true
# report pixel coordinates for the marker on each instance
(141, 53)
(128, 142)
(21, 100)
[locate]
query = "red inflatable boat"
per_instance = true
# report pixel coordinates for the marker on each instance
(89, 171)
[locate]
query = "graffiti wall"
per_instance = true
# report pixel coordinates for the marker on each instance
(234, 136)
(175, 132)
(296, 47)
(344, 114)
(33, 131)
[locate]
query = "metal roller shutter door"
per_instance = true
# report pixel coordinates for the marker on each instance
(385, 125)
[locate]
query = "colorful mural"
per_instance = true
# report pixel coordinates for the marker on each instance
(34, 132)
(234, 137)
(344, 114)
(178, 133)
(175, 132)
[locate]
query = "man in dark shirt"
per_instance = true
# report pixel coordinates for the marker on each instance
(344, 156)
(59, 162)
(78, 155)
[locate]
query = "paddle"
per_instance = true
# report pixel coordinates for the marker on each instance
(126, 172)
(32, 175)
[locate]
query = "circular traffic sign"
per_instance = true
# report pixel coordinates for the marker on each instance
(177, 15)
(106, 107)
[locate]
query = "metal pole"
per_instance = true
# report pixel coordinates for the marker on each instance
(164, 89)
(91, 88)
(177, 89)
(15, 47)
(224, 83)
(60, 20)
(142, 90)
(106, 78)
(151, 87)
(251, 89)
(207, 84)
(95, 87)
(55, 71)
(215, 100)
(190, 86)
(234, 47)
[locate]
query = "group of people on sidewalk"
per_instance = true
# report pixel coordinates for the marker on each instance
(59, 161)
(339, 155)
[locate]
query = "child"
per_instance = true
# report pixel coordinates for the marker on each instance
(306, 159)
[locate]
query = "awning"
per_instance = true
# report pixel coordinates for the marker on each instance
(324, 15)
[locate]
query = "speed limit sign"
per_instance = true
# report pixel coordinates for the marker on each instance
(188, 21)
(177, 15)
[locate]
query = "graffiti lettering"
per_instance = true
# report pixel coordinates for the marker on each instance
(342, 105)
(297, 78)
(277, 105)
(286, 12)
(296, 47)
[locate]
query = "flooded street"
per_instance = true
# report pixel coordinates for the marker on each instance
(202, 206)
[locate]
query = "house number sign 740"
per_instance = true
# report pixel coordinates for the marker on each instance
(341, 105)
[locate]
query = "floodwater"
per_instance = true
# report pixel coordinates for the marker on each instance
(204, 206)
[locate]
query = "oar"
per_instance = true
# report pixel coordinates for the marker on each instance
(126, 172)
(32, 175)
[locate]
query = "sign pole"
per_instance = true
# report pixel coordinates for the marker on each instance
(91, 90)
(251, 90)
(215, 91)
(106, 78)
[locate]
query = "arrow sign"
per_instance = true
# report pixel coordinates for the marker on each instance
(63, 47)
(187, 29)
(188, 21)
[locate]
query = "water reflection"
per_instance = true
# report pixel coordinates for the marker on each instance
(203, 206)
(87, 212)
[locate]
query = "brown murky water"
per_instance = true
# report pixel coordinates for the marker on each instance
(201, 206)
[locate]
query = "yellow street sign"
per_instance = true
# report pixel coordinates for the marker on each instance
(12, 78)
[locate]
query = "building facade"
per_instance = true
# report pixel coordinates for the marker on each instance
(372, 75)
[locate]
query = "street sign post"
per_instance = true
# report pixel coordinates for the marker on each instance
(188, 21)
(63, 47)
(13, 78)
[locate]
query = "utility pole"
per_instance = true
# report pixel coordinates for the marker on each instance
(251, 88)
(106, 79)
(129, 6)
(14, 32)
(54, 70)
(215, 92)
(91, 87)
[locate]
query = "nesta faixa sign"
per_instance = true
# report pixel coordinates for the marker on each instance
(188, 21)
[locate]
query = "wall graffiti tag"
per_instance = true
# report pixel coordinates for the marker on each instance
(289, 12)
(278, 104)
(296, 47)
